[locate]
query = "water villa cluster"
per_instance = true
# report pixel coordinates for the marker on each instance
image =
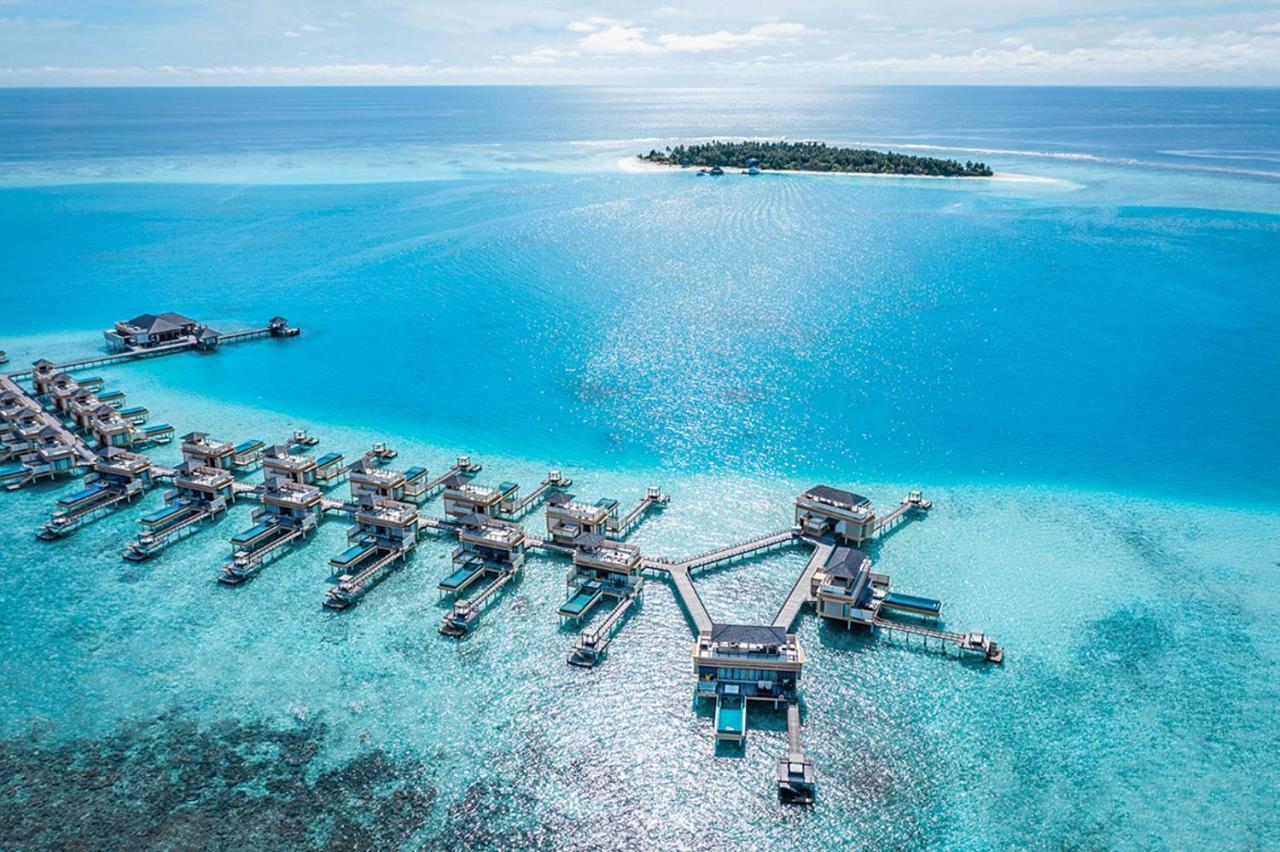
(63, 426)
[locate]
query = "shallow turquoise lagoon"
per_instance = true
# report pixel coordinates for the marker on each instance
(1080, 373)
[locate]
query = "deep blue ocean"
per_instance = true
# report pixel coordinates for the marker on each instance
(1078, 362)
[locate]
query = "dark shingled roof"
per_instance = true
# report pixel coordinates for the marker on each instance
(560, 498)
(588, 541)
(845, 562)
(748, 634)
(159, 323)
(453, 481)
(475, 520)
(836, 496)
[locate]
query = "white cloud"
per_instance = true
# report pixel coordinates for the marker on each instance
(292, 34)
(1133, 53)
(618, 39)
(542, 56)
(761, 34)
(590, 25)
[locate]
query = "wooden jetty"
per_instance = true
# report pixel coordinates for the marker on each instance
(592, 644)
(277, 328)
(688, 594)
(801, 592)
(516, 509)
(726, 554)
(796, 778)
(975, 643)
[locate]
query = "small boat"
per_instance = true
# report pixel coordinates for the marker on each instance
(715, 171)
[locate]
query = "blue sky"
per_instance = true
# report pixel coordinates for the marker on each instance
(220, 42)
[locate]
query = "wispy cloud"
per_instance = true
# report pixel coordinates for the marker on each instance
(670, 41)
(761, 34)
(618, 39)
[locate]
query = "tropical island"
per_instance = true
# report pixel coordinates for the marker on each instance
(810, 157)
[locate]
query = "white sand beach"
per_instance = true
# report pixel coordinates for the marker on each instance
(637, 165)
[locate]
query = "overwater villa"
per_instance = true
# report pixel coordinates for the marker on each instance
(109, 428)
(490, 554)
(43, 372)
(117, 478)
(279, 463)
(366, 479)
(148, 331)
(567, 517)
(200, 493)
(601, 568)
(386, 532)
(53, 456)
(845, 590)
(462, 498)
(484, 545)
(290, 510)
(823, 511)
(203, 450)
(737, 663)
(842, 589)
(35, 452)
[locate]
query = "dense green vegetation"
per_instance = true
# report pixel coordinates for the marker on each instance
(811, 156)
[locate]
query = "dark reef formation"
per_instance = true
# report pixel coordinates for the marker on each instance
(169, 783)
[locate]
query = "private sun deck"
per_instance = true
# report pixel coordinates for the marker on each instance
(464, 576)
(158, 432)
(354, 555)
(135, 414)
(329, 467)
(255, 534)
(248, 453)
(166, 516)
(84, 496)
(586, 596)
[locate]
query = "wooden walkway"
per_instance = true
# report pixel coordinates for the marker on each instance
(689, 597)
(794, 745)
(800, 592)
(917, 630)
(643, 505)
(456, 469)
(528, 501)
(355, 586)
(592, 643)
(725, 554)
